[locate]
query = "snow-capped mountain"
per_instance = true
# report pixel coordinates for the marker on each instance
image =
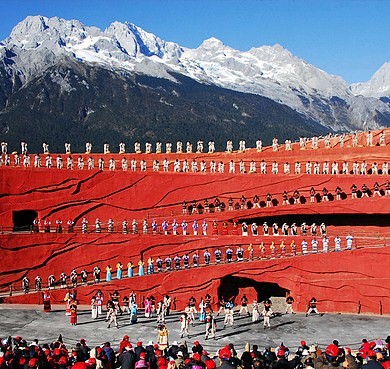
(271, 71)
(378, 86)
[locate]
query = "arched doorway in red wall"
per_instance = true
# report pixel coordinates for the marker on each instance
(232, 287)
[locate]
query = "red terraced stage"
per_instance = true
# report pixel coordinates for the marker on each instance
(348, 281)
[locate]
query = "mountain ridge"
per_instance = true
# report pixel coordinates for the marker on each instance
(39, 43)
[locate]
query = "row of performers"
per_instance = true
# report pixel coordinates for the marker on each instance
(174, 227)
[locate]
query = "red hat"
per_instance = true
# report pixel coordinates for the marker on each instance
(18, 338)
(371, 353)
(142, 355)
(225, 353)
(62, 360)
(47, 352)
(91, 361)
(205, 353)
(83, 340)
(332, 352)
(129, 345)
(158, 352)
(32, 363)
(210, 364)
(126, 337)
(303, 343)
(161, 361)
(196, 343)
(155, 346)
(281, 353)
(139, 343)
(196, 356)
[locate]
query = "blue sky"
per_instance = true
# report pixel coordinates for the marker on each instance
(349, 38)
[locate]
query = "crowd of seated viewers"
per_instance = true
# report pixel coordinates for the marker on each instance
(17, 353)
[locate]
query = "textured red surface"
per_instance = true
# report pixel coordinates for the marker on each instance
(340, 281)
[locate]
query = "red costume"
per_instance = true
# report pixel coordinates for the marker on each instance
(46, 301)
(225, 229)
(73, 313)
(215, 228)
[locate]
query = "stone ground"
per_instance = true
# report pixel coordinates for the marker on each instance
(31, 322)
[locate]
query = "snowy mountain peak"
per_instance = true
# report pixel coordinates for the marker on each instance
(139, 43)
(38, 42)
(211, 43)
(378, 86)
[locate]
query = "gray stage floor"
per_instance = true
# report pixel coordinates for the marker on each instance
(31, 322)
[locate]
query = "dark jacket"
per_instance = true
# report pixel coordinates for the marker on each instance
(372, 364)
(281, 363)
(127, 360)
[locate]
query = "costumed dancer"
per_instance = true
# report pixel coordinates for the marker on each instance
(184, 325)
(46, 301)
(98, 228)
(150, 266)
(229, 318)
(148, 308)
(210, 325)
(141, 270)
(59, 225)
(145, 226)
(133, 312)
(94, 308)
(215, 228)
(73, 312)
(160, 312)
(108, 273)
(202, 311)
(124, 226)
(255, 312)
(162, 337)
(68, 298)
(126, 302)
(225, 228)
(267, 313)
(119, 267)
(99, 300)
(244, 305)
(96, 274)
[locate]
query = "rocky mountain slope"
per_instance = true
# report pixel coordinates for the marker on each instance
(62, 62)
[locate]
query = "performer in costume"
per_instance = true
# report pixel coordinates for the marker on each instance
(215, 227)
(130, 272)
(141, 270)
(73, 312)
(94, 308)
(46, 301)
(99, 301)
(162, 337)
(108, 273)
(225, 228)
(68, 299)
(133, 312)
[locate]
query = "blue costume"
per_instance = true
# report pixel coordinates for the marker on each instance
(217, 256)
(207, 256)
(195, 259)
